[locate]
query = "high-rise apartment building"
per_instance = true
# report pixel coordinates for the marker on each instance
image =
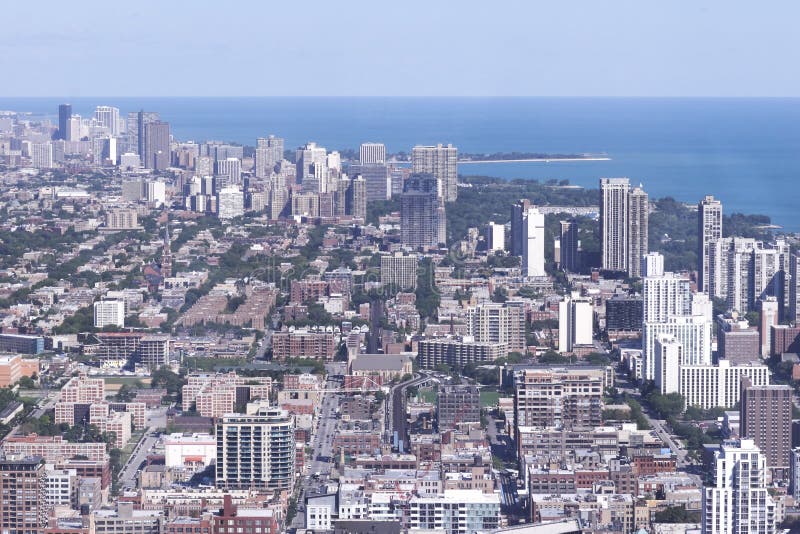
(794, 289)
(768, 318)
(109, 313)
(533, 243)
(231, 168)
(156, 151)
(458, 404)
(499, 324)
(637, 230)
(370, 153)
(23, 496)
(269, 151)
(568, 246)
(518, 211)
(108, 118)
(709, 231)
(399, 270)
(665, 295)
(356, 198)
(568, 398)
(495, 237)
(312, 171)
(64, 115)
(422, 216)
(575, 322)
(42, 155)
(614, 212)
(230, 203)
(692, 331)
(255, 450)
(379, 184)
(738, 501)
(765, 416)
(143, 118)
(442, 162)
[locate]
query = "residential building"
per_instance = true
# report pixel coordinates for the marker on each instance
(458, 352)
(558, 397)
(768, 318)
(23, 496)
(568, 246)
(638, 216)
(42, 155)
(441, 162)
(765, 416)
(533, 243)
(422, 213)
(230, 203)
(64, 115)
(455, 512)
(518, 213)
(230, 168)
(614, 214)
(255, 450)
(269, 151)
(156, 151)
(499, 323)
(377, 178)
(624, 314)
(303, 344)
(713, 386)
(126, 520)
(575, 323)
(495, 237)
(399, 270)
(122, 219)
(693, 332)
(738, 500)
(109, 313)
(457, 404)
(372, 153)
(709, 231)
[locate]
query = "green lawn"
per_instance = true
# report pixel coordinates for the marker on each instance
(489, 398)
(427, 395)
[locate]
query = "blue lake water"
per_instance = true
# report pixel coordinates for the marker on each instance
(743, 151)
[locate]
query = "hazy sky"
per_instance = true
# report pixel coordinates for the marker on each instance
(407, 48)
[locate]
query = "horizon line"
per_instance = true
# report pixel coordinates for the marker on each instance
(659, 97)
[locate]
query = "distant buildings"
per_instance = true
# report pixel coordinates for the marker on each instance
(155, 145)
(269, 151)
(533, 243)
(372, 153)
(230, 202)
(42, 155)
(441, 162)
(64, 116)
(255, 450)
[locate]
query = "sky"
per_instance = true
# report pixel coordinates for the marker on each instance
(400, 48)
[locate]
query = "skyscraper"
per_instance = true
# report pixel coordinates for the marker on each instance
(255, 450)
(422, 222)
(356, 198)
(794, 289)
(143, 118)
(765, 416)
(232, 168)
(269, 151)
(377, 178)
(533, 243)
(518, 211)
(639, 210)
(42, 155)
(709, 231)
(230, 202)
(495, 237)
(768, 318)
(311, 167)
(442, 162)
(108, 117)
(575, 322)
(738, 501)
(614, 212)
(64, 114)
(569, 246)
(156, 153)
(370, 153)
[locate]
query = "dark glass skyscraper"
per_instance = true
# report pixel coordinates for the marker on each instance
(64, 114)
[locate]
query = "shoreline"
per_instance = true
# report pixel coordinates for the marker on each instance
(533, 160)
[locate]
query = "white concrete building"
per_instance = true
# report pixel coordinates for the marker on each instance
(739, 501)
(183, 450)
(109, 312)
(575, 322)
(710, 386)
(667, 364)
(693, 332)
(455, 512)
(533, 243)
(230, 203)
(495, 237)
